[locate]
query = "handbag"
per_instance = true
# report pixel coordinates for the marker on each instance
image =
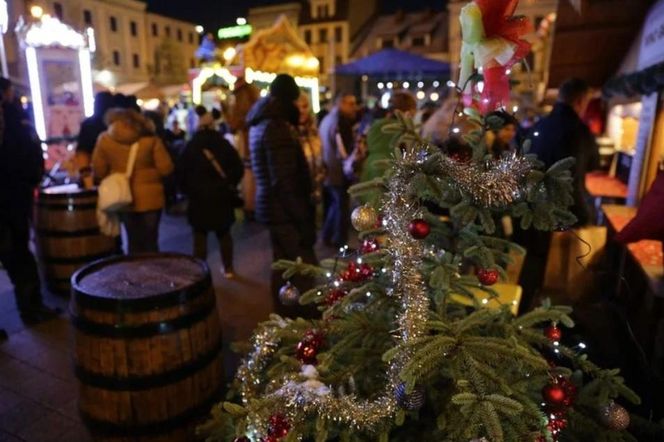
(236, 201)
(115, 190)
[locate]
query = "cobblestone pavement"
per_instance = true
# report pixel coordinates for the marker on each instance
(37, 386)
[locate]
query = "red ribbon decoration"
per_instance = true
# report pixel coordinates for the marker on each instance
(499, 22)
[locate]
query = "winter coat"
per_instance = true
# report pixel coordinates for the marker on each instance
(153, 162)
(333, 155)
(283, 184)
(210, 196)
(21, 161)
(563, 134)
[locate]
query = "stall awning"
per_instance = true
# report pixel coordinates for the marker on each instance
(395, 63)
(590, 42)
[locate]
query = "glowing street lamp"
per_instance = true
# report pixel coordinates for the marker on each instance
(199, 29)
(37, 11)
(241, 21)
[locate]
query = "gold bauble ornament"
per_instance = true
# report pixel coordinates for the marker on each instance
(364, 218)
(614, 417)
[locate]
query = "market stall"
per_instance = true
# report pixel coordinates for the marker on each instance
(275, 50)
(393, 69)
(59, 69)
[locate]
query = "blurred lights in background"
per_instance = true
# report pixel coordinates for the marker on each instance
(199, 29)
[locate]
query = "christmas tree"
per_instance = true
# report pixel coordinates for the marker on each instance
(413, 343)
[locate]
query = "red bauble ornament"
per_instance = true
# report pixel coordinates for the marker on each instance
(553, 333)
(278, 426)
(335, 296)
(356, 273)
(419, 228)
(369, 246)
(554, 395)
(488, 276)
(307, 349)
(570, 390)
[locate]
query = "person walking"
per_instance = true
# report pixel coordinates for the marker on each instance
(337, 137)
(559, 135)
(21, 169)
(283, 184)
(210, 170)
(245, 95)
(310, 142)
(111, 155)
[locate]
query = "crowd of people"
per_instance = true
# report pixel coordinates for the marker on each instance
(282, 165)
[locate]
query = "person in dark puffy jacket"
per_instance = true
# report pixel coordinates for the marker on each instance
(283, 184)
(210, 170)
(21, 168)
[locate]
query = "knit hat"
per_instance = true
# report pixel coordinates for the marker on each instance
(284, 88)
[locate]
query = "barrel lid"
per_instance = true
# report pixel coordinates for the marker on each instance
(140, 282)
(65, 191)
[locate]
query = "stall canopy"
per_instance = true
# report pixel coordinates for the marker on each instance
(278, 49)
(393, 62)
(591, 38)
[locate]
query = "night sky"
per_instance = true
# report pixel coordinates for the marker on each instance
(215, 13)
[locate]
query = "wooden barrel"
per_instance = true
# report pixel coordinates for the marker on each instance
(67, 234)
(147, 346)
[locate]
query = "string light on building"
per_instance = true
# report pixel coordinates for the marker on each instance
(229, 54)
(420, 84)
(434, 96)
(436, 83)
(406, 85)
(199, 29)
(380, 85)
(450, 83)
(420, 95)
(241, 21)
(390, 85)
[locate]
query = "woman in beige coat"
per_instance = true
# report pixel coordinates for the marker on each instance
(111, 154)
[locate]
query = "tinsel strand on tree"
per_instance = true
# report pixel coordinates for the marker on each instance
(407, 348)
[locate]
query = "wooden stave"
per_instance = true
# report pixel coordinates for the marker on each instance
(204, 337)
(67, 235)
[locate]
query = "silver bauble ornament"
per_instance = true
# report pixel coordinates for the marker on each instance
(289, 294)
(364, 218)
(410, 401)
(614, 416)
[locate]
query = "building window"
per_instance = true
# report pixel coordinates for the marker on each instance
(387, 43)
(167, 30)
(87, 17)
(321, 63)
(418, 41)
(116, 58)
(338, 61)
(134, 29)
(57, 10)
(338, 34)
(114, 24)
(179, 34)
(307, 36)
(322, 35)
(191, 38)
(155, 30)
(136, 60)
(323, 11)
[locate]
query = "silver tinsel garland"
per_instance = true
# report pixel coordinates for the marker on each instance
(496, 184)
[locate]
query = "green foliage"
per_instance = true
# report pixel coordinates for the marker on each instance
(482, 369)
